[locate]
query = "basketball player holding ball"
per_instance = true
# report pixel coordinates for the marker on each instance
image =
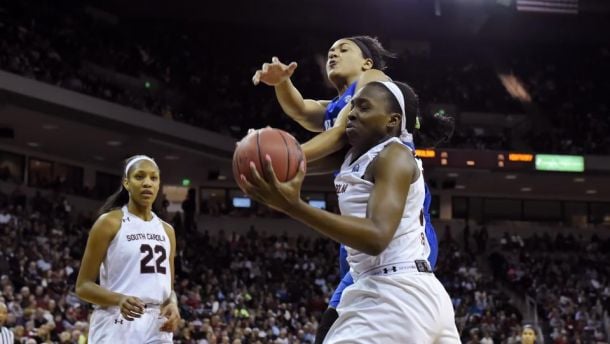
(132, 251)
(395, 297)
(352, 63)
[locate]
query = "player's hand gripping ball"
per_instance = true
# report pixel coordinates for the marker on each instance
(284, 150)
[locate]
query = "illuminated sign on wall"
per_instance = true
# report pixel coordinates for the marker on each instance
(561, 163)
(520, 157)
(425, 153)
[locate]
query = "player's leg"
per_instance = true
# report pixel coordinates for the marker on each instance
(448, 333)
(330, 315)
(328, 319)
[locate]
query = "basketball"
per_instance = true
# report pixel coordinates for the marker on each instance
(283, 148)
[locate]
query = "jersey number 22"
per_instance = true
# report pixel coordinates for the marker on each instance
(158, 267)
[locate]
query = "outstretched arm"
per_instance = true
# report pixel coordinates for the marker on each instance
(308, 113)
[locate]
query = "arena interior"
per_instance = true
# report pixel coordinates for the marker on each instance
(520, 193)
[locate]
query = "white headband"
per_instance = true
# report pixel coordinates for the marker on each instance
(405, 135)
(138, 158)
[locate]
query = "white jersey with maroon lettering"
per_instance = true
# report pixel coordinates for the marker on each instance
(395, 297)
(137, 260)
(409, 242)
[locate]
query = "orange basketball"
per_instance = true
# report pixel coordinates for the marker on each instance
(283, 148)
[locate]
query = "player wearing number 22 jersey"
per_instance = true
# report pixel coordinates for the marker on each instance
(132, 251)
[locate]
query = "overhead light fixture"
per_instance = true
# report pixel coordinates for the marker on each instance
(171, 157)
(98, 158)
(222, 177)
(591, 192)
(114, 143)
(34, 144)
(452, 175)
(579, 180)
(526, 189)
(49, 126)
(460, 187)
(511, 176)
(515, 87)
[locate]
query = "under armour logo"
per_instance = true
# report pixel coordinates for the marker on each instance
(356, 168)
(117, 321)
(385, 270)
(126, 220)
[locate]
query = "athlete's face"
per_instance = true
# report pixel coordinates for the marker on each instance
(369, 119)
(143, 182)
(345, 61)
(528, 336)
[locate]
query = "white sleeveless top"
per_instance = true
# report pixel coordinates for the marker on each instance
(137, 260)
(409, 242)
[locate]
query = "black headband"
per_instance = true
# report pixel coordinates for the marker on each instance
(366, 52)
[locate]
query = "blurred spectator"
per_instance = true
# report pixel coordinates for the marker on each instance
(167, 70)
(6, 335)
(189, 207)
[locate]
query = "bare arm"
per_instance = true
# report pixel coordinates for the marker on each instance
(308, 113)
(172, 255)
(393, 172)
(325, 143)
(327, 164)
(333, 140)
(169, 309)
(102, 233)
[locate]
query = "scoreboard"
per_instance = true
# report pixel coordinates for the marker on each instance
(490, 160)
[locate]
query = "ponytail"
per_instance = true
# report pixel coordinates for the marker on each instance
(121, 196)
(116, 200)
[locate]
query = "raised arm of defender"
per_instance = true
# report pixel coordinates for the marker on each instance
(308, 113)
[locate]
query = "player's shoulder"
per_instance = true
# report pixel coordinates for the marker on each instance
(169, 229)
(372, 75)
(395, 150)
(167, 226)
(398, 156)
(114, 216)
(109, 222)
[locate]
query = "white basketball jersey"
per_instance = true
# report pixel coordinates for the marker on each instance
(137, 260)
(409, 242)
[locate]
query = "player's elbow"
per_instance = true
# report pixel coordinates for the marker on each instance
(377, 244)
(373, 250)
(81, 290)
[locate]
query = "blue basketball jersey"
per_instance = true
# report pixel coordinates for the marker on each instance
(330, 117)
(430, 232)
(335, 106)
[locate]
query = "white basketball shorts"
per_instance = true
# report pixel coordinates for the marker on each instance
(407, 308)
(109, 327)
